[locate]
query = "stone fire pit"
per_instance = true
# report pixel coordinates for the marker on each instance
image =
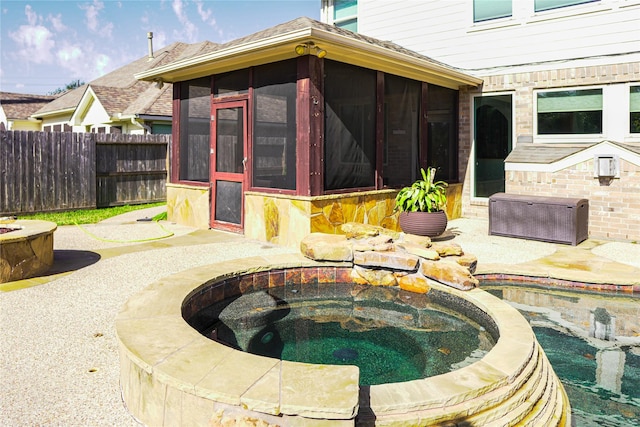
(26, 249)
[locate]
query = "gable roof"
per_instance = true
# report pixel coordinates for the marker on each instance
(278, 43)
(64, 103)
(20, 106)
(121, 93)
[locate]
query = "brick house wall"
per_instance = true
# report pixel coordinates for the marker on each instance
(614, 205)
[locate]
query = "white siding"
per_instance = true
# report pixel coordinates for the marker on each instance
(3, 118)
(95, 115)
(444, 30)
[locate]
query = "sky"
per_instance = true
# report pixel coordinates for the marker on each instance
(47, 44)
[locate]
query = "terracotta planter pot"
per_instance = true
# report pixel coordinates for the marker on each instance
(430, 224)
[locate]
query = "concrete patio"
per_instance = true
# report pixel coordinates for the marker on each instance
(59, 362)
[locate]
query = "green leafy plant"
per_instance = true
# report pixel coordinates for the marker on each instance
(424, 195)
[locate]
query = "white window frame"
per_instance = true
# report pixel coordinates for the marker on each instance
(615, 116)
(330, 9)
(570, 138)
(630, 137)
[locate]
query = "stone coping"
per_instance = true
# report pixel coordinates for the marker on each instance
(28, 229)
(166, 363)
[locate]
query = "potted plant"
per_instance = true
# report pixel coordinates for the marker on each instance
(422, 205)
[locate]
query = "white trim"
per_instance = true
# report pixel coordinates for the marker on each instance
(604, 148)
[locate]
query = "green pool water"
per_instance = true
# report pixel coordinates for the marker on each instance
(384, 354)
(593, 343)
(389, 340)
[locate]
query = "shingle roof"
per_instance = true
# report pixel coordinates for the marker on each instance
(289, 30)
(551, 153)
(120, 92)
(21, 106)
(67, 101)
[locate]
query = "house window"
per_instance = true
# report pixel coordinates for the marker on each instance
(442, 133)
(484, 10)
(57, 128)
(195, 113)
(274, 131)
(541, 5)
(634, 109)
(160, 129)
(570, 112)
(350, 126)
(401, 130)
(345, 14)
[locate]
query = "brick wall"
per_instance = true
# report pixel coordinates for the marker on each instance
(614, 208)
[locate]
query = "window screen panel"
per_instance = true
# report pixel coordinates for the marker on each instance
(232, 83)
(195, 131)
(350, 114)
(228, 201)
(230, 140)
(402, 126)
(442, 134)
(274, 119)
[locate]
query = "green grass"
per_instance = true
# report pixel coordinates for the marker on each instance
(88, 216)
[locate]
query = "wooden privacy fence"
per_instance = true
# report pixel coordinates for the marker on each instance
(52, 171)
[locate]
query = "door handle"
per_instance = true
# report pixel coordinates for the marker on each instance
(244, 163)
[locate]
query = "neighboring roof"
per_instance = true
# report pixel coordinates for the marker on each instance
(20, 106)
(66, 102)
(278, 43)
(120, 92)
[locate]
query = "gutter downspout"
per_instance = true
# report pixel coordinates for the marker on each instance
(135, 122)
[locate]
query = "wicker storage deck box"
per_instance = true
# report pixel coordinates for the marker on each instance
(549, 219)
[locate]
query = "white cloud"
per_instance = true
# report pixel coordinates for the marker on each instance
(159, 40)
(100, 64)
(189, 30)
(82, 61)
(56, 21)
(208, 18)
(32, 17)
(205, 14)
(69, 53)
(92, 12)
(34, 41)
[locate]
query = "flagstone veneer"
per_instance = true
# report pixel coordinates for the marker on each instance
(27, 251)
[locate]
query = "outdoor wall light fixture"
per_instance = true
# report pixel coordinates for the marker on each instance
(301, 49)
(159, 83)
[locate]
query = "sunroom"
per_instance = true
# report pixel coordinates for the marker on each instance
(303, 127)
